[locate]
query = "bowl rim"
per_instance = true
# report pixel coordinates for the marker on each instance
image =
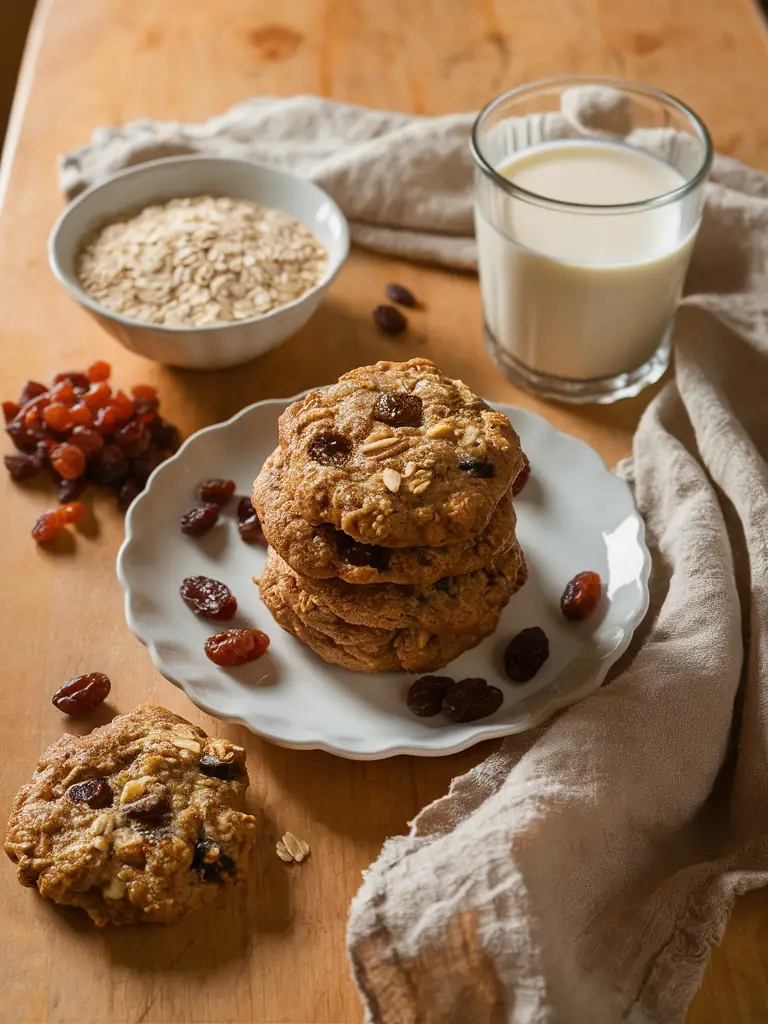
(71, 284)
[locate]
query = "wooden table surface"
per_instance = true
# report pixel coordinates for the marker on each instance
(275, 952)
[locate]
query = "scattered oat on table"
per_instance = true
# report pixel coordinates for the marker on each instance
(290, 849)
(200, 261)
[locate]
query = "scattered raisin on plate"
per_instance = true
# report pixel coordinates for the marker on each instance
(83, 693)
(208, 598)
(525, 654)
(248, 524)
(425, 696)
(581, 595)
(199, 521)
(216, 492)
(471, 699)
(236, 646)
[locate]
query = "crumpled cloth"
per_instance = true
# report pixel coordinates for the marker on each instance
(582, 873)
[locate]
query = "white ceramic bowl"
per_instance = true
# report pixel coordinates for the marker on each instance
(218, 345)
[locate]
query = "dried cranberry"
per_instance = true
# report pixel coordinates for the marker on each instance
(210, 862)
(70, 490)
(581, 595)
(476, 467)
(426, 695)
(208, 597)
(97, 396)
(216, 491)
(81, 415)
(72, 512)
(58, 416)
(236, 646)
(250, 530)
(398, 408)
(389, 319)
(83, 693)
(144, 392)
(32, 389)
(128, 494)
(146, 407)
(354, 553)
(47, 526)
(402, 295)
(199, 520)
(95, 792)
(216, 769)
(22, 467)
(330, 449)
(98, 371)
(525, 654)
(10, 411)
(68, 460)
(471, 699)
(522, 477)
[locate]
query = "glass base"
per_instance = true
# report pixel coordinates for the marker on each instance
(600, 390)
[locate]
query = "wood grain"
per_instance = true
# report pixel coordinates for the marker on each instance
(276, 951)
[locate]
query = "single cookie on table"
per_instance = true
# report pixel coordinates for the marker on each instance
(323, 552)
(455, 604)
(394, 454)
(138, 822)
(362, 648)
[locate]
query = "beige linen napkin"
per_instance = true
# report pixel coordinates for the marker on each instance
(582, 873)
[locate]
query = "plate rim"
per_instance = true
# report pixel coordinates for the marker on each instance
(543, 713)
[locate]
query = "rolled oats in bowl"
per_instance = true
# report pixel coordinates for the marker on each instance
(200, 261)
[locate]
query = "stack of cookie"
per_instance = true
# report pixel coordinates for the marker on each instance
(388, 510)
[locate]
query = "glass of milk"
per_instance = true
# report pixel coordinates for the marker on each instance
(589, 194)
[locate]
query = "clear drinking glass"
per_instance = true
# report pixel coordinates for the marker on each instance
(588, 197)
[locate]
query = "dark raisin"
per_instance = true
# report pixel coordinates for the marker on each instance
(251, 531)
(129, 492)
(23, 440)
(146, 464)
(236, 646)
(426, 695)
(354, 553)
(581, 595)
(199, 520)
(398, 408)
(209, 598)
(108, 465)
(70, 490)
(78, 380)
(32, 389)
(216, 769)
(476, 467)
(210, 862)
(22, 467)
(402, 295)
(471, 699)
(330, 449)
(10, 411)
(245, 509)
(165, 435)
(522, 477)
(83, 693)
(389, 319)
(95, 792)
(444, 584)
(525, 654)
(216, 492)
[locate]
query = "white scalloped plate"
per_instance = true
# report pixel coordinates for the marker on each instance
(573, 514)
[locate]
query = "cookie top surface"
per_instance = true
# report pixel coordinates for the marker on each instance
(139, 821)
(365, 649)
(396, 454)
(455, 604)
(323, 552)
